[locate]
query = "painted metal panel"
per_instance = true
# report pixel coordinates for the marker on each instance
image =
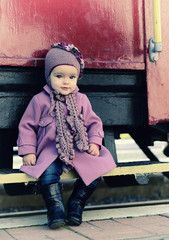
(108, 32)
(158, 73)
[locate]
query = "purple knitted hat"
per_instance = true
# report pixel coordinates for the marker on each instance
(63, 54)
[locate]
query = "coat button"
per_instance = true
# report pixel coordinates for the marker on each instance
(101, 133)
(43, 122)
(19, 141)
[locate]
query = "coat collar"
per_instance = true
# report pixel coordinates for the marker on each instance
(49, 89)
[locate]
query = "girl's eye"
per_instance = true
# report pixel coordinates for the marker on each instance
(58, 76)
(72, 77)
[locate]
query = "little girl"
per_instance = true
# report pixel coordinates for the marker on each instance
(59, 132)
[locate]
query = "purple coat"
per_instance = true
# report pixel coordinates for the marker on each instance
(37, 133)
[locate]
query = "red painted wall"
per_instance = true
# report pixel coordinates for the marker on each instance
(109, 33)
(158, 73)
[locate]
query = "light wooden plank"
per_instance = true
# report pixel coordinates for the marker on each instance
(124, 170)
(129, 170)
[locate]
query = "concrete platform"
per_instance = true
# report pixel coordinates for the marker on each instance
(144, 222)
(151, 227)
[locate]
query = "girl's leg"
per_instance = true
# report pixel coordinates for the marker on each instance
(52, 173)
(77, 201)
(52, 193)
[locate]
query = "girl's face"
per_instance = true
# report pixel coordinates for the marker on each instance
(64, 79)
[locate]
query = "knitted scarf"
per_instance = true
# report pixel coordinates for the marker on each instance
(70, 130)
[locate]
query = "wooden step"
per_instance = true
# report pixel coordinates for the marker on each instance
(14, 176)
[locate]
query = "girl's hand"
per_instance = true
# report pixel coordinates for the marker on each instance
(29, 159)
(93, 150)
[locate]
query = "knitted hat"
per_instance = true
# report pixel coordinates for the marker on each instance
(63, 54)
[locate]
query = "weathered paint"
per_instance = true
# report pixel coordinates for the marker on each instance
(109, 32)
(157, 73)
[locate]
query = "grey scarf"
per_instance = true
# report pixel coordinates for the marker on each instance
(70, 130)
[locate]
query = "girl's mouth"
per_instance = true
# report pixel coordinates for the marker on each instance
(65, 88)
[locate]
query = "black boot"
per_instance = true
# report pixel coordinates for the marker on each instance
(77, 201)
(52, 195)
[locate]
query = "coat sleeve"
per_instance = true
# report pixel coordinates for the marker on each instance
(92, 122)
(28, 126)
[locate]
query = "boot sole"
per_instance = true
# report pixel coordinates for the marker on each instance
(56, 225)
(72, 222)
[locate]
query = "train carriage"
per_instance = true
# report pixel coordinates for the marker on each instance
(125, 46)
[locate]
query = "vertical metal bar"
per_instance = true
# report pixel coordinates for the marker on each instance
(155, 44)
(157, 21)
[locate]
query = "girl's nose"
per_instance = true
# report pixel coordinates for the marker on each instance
(66, 80)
